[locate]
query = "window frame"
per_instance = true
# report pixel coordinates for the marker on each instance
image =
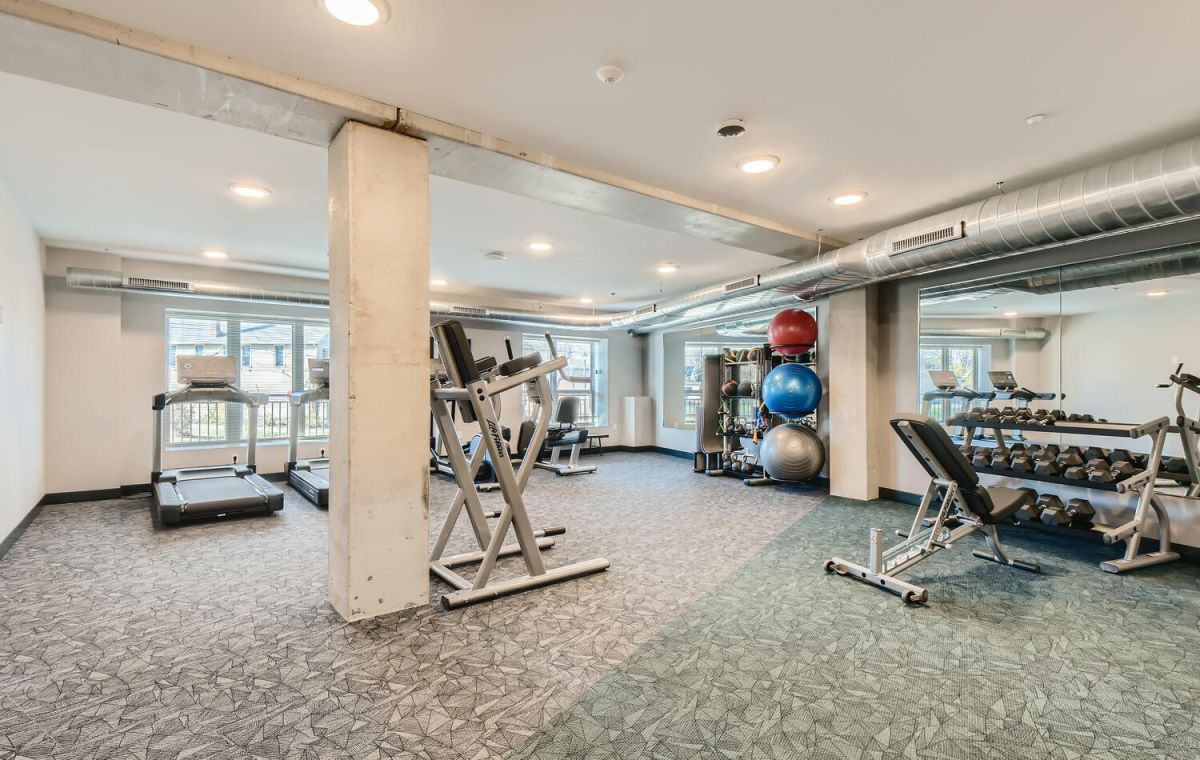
(981, 358)
(597, 396)
(234, 436)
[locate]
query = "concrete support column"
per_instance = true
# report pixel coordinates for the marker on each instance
(850, 358)
(379, 372)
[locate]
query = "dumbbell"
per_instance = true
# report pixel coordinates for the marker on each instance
(1070, 458)
(1047, 468)
(1123, 470)
(1025, 414)
(1098, 471)
(1000, 459)
(982, 459)
(1009, 410)
(1119, 455)
(1053, 511)
(1052, 449)
(1058, 414)
(1018, 448)
(1081, 513)
(1095, 452)
(1031, 510)
(1077, 472)
(1021, 463)
(1177, 465)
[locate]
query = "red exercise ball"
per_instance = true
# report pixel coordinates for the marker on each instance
(792, 332)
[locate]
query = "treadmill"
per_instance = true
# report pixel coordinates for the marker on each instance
(947, 390)
(309, 476)
(1007, 389)
(194, 493)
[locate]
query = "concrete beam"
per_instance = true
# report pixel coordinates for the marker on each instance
(379, 341)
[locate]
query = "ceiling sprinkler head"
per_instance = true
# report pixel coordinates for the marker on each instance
(610, 74)
(495, 256)
(731, 128)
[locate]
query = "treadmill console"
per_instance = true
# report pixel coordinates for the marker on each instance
(318, 372)
(205, 370)
(943, 379)
(1003, 380)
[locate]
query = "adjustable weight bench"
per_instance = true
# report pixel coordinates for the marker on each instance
(965, 506)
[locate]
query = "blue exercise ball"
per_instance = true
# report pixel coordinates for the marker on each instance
(791, 390)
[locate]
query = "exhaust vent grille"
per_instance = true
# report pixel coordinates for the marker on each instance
(749, 282)
(153, 284)
(933, 237)
(646, 310)
(469, 311)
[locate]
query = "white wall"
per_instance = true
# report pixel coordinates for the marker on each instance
(106, 359)
(22, 366)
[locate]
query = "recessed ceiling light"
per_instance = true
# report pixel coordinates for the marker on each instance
(667, 268)
(585, 299)
(758, 164)
(437, 282)
(1036, 118)
(848, 199)
(1157, 293)
(213, 253)
(1010, 313)
(356, 12)
(249, 191)
(540, 246)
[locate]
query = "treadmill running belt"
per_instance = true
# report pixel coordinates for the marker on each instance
(218, 494)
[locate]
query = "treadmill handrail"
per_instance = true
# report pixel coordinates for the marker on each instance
(298, 400)
(201, 394)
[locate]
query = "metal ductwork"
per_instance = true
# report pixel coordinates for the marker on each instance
(98, 279)
(995, 333)
(1172, 261)
(1150, 189)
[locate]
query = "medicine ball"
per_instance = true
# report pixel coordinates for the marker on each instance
(729, 388)
(792, 452)
(791, 390)
(792, 332)
(746, 389)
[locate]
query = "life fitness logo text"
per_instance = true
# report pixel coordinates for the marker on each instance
(494, 429)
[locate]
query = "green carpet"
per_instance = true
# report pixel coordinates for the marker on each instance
(784, 661)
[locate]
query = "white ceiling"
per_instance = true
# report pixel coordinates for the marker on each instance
(1181, 291)
(97, 172)
(919, 104)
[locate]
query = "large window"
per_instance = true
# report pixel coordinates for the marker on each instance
(586, 357)
(273, 355)
(969, 363)
(693, 370)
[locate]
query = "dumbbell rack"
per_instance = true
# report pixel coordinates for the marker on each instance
(1142, 483)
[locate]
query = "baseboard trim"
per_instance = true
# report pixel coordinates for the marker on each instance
(12, 537)
(904, 497)
(70, 497)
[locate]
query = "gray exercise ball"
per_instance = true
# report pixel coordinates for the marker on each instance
(792, 452)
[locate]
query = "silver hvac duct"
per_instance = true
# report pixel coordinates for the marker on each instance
(1152, 188)
(98, 279)
(1171, 261)
(998, 333)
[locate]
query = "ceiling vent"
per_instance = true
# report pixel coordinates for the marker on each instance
(645, 310)
(735, 286)
(926, 239)
(495, 256)
(469, 311)
(155, 284)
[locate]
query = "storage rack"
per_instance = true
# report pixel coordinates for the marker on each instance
(1142, 483)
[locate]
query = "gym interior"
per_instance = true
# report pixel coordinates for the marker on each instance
(532, 380)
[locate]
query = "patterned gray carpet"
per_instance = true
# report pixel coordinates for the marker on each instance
(783, 661)
(714, 635)
(215, 641)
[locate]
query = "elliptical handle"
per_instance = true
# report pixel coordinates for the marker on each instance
(562, 371)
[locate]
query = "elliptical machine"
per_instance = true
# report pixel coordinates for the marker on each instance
(1187, 427)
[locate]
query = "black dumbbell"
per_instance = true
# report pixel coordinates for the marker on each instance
(1095, 452)
(1119, 455)
(1021, 463)
(1018, 448)
(1070, 458)
(1077, 472)
(1032, 508)
(1123, 470)
(1098, 471)
(1009, 410)
(1000, 459)
(1073, 417)
(1052, 449)
(981, 460)
(1047, 468)
(1177, 465)
(1053, 510)
(1081, 513)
